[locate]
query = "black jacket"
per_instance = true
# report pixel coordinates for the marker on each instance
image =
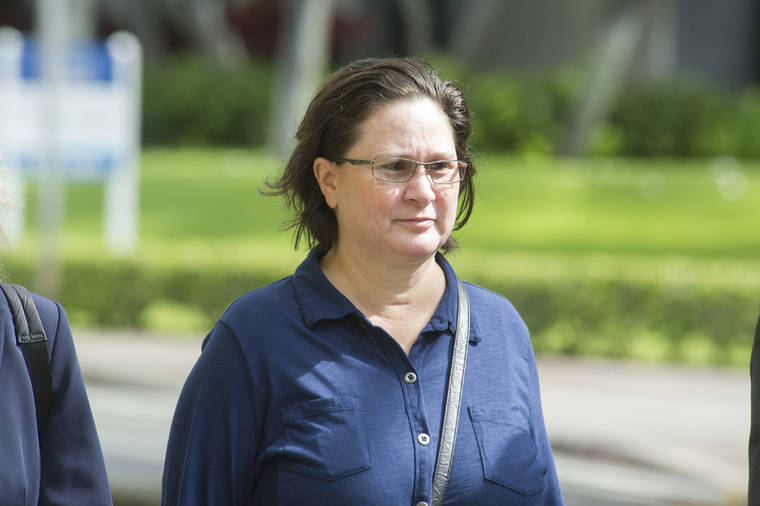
(754, 435)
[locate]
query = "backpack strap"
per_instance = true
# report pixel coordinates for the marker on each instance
(31, 338)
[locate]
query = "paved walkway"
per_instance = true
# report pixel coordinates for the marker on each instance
(654, 434)
(622, 433)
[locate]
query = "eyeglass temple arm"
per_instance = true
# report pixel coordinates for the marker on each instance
(354, 162)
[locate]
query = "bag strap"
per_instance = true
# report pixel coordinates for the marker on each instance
(31, 338)
(453, 397)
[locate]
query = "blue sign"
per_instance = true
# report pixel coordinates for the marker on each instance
(84, 61)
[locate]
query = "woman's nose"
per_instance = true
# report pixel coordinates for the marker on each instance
(420, 187)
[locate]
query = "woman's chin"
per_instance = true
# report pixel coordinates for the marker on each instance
(417, 251)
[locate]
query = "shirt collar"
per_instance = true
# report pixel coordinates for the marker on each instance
(318, 299)
(445, 316)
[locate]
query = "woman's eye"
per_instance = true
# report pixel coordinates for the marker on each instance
(439, 166)
(394, 166)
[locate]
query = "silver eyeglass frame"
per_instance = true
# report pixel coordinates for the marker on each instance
(462, 166)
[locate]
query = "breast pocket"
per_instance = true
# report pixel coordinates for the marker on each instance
(326, 438)
(507, 450)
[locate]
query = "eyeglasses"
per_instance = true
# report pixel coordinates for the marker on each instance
(396, 169)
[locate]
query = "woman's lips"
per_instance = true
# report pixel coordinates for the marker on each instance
(422, 222)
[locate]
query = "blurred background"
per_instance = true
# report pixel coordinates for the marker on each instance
(617, 198)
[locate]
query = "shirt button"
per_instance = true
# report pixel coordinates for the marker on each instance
(421, 503)
(423, 439)
(410, 377)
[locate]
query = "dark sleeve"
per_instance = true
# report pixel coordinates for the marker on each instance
(754, 435)
(213, 442)
(73, 471)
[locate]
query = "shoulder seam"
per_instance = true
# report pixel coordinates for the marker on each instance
(240, 349)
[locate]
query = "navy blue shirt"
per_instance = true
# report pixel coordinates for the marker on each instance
(298, 399)
(63, 464)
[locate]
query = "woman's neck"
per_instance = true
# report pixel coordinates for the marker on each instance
(382, 289)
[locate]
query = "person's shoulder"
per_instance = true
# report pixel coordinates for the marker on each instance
(51, 313)
(54, 321)
(493, 314)
(266, 300)
(49, 310)
(480, 296)
(46, 308)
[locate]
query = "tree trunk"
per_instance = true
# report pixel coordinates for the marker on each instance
(303, 51)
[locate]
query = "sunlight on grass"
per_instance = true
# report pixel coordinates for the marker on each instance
(645, 207)
(649, 208)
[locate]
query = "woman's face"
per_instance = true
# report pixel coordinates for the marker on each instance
(396, 222)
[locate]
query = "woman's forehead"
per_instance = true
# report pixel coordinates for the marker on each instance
(407, 125)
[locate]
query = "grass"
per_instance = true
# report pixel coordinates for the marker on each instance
(540, 225)
(616, 207)
(696, 209)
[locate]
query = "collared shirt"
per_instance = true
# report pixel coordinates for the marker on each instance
(298, 398)
(62, 462)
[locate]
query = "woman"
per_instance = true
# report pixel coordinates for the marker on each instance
(49, 449)
(328, 386)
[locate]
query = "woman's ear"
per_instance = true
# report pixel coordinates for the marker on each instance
(325, 171)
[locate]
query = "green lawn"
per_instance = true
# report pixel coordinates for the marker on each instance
(632, 236)
(697, 209)
(648, 208)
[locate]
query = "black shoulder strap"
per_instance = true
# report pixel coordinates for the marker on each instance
(453, 397)
(31, 338)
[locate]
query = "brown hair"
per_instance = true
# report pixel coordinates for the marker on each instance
(331, 126)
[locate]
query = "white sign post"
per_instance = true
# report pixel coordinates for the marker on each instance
(97, 127)
(51, 62)
(122, 187)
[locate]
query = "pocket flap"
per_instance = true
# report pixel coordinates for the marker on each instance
(326, 438)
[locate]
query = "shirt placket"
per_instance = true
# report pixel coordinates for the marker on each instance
(425, 447)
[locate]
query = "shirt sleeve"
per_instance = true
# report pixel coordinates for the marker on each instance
(553, 492)
(213, 442)
(72, 466)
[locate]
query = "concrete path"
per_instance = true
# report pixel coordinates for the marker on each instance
(648, 434)
(622, 433)
(133, 382)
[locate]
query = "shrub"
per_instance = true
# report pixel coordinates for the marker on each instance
(686, 119)
(629, 319)
(624, 318)
(513, 114)
(190, 101)
(121, 293)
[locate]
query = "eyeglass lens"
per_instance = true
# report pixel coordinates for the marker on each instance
(400, 170)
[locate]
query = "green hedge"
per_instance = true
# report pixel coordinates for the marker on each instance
(518, 114)
(590, 316)
(117, 293)
(628, 319)
(190, 101)
(687, 119)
